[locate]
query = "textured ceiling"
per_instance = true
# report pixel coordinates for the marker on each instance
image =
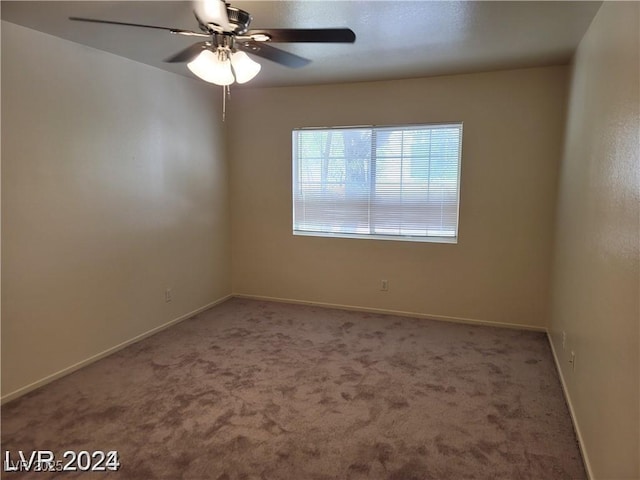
(395, 39)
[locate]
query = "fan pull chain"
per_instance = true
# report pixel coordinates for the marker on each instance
(226, 92)
(224, 102)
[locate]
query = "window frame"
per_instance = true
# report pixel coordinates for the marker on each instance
(372, 176)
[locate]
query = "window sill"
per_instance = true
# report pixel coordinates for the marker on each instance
(397, 238)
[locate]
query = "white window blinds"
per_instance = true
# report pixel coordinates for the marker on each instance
(400, 182)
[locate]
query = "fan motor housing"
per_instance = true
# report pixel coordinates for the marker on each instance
(240, 19)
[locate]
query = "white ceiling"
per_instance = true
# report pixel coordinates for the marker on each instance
(395, 39)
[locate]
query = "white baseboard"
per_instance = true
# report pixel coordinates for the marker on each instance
(400, 313)
(94, 358)
(574, 419)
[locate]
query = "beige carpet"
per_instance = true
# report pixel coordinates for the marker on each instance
(259, 390)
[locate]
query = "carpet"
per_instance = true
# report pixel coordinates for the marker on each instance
(261, 390)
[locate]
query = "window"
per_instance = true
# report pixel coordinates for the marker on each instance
(400, 182)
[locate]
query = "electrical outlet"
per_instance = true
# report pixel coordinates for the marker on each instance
(384, 285)
(167, 295)
(564, 340)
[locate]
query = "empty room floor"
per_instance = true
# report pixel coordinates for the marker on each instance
(261, 390)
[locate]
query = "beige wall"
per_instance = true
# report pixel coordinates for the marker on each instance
(597, 275)
(500, 269)
(114, 187)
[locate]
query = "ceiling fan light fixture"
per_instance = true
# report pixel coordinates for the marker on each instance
(210, 67)
(244, 68)
(216, 60)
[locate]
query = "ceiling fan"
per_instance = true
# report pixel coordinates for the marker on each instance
(222, 57)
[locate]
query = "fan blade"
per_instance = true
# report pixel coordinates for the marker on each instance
(188, 53)
(321, 35)
(274, 54)
(176, 31)
(111, 22)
